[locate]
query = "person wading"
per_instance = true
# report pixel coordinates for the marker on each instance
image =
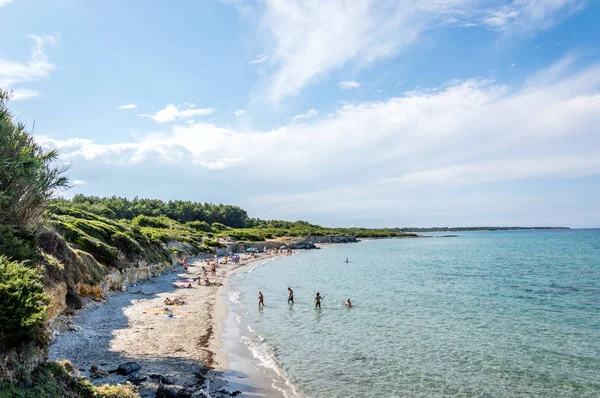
(290, 296)
(261, 300)
(318, 299)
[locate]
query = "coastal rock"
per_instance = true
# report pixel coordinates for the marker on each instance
(136, 379)
(230, 393)
(129, 367)
(160, 378)
(164, 392)
(185, 393)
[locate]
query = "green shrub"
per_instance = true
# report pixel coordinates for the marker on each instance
(156, 236)
(17, 244)
(202, 226)
(239, 234)
(96, 229)
(152, 222)
(100, 250)
(68, 231)
(50, 380)
(212, 243)
(23, 309)
(217, 226)
(127, 244)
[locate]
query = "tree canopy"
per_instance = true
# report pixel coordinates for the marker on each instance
(29, 177)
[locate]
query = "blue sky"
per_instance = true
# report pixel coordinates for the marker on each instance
(365, 112)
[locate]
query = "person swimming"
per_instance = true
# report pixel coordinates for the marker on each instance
(290, 295)
(348, 304)
(318, 299)
(261, 300)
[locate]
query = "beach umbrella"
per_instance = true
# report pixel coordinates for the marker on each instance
(250, 249)
(283, 247)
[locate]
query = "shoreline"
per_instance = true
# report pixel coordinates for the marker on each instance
(187, 350)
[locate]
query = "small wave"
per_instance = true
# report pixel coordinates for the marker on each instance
(234, 297)
(238, 318)
(251, 269)
(265, 356)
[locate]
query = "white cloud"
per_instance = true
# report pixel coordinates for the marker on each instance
(5, 2)
(78, 182)
(239, 112)
(23, 94)
(348, 85)
(524, 16)
(309, 113)
(37, 68)
(172, 113)
(128, 106)
(385, 156)
(309, 39)
(511, 67)
(259, 59)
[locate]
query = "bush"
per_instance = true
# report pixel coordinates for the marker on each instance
(201, 226)
(217, 226)
(100, 250)
(152, 222)
(126, 243)
(17, 244)
(50, 380)
(246, 235)
(94, 229)
(212, 243)
(23, 309)
(117, 391)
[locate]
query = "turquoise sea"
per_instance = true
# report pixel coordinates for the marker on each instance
(484, 314)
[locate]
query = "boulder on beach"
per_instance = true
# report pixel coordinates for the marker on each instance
(129, 367)
(160, 378)
(136, 379)
(164, 392)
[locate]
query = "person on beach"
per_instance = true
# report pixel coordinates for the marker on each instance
(318, 299)
(348, 304)
(261, 300)
(290, 296)
(185, 266)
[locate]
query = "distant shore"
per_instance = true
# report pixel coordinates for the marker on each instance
(475, 229)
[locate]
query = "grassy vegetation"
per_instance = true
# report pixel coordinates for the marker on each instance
(56, 380)
(104, 238)
(197, 233)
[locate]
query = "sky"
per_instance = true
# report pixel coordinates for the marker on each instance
(374, 113)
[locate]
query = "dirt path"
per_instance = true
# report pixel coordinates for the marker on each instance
(183, 349)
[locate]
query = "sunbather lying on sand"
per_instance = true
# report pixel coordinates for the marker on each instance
(175, 301)
(183, 286)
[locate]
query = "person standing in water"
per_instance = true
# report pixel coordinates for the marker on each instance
(290, 296)
(348, 304)
(346, 260)
(318, 299)
(261, 300)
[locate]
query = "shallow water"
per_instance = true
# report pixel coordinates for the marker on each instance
(483, 314)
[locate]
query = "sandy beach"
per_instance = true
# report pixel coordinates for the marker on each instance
(132, 326)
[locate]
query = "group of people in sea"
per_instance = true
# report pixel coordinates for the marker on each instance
(317, 299)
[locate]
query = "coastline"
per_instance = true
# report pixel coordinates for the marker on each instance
(187, 349)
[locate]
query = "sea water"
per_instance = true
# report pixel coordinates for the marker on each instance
(483, 314)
